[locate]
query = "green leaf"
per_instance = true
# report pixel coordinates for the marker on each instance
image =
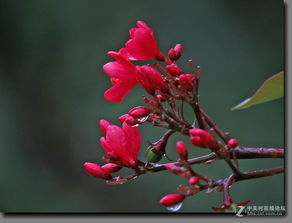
(271, 89)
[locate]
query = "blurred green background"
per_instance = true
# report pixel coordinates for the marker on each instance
(52, 85)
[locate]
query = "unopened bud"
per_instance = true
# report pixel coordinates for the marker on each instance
(202, 138)
(139, 112)
(186, 81)
(131, 121)
(174, 70)
(175, 53)
(150, 79)
(111, 167)
(172, 199)
(182, 150)
(194, 180)
(123, 118)
(103, 125)
(232, 143)
(152, 156)
(96, 170)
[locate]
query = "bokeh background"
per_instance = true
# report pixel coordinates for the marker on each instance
(51, 94)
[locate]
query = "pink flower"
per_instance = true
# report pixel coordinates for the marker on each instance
(150, 79)
(123, 76)
(172, 199)
(122, 144)
(142, 45)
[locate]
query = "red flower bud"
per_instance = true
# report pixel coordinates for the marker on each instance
(103, 125)
(131, 121)
(175, 53)
(150, 79)
(197, 141)
(186, 81)
(172, 199)
(174, 70)
(96, 170)
(182, 150)
(232, 143)
(122, 118)
(194, 180)
(202, 138)
(139, 112)
(111, 167)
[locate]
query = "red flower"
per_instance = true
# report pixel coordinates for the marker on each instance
(172, 199)
(122, 144)
(142, 45)
(150, 79)
(123, 76)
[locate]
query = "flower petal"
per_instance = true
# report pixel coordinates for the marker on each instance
(120, 69)
(119, 91)
(120, 143)
(134, 138)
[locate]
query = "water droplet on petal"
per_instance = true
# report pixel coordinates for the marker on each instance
(174, 208)
(143, 119)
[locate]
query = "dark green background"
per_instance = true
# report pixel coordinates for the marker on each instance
(51, 94)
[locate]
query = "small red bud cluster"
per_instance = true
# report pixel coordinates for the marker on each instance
(202, 138)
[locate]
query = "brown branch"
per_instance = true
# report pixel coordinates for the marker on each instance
(243, 153)
(213, 125)
(260, 173)
(228, 182)
(250, 153)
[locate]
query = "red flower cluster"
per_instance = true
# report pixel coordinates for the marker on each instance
(122, 144)
(125, 75)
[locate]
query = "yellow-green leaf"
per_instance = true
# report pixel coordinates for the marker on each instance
(271, 89)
